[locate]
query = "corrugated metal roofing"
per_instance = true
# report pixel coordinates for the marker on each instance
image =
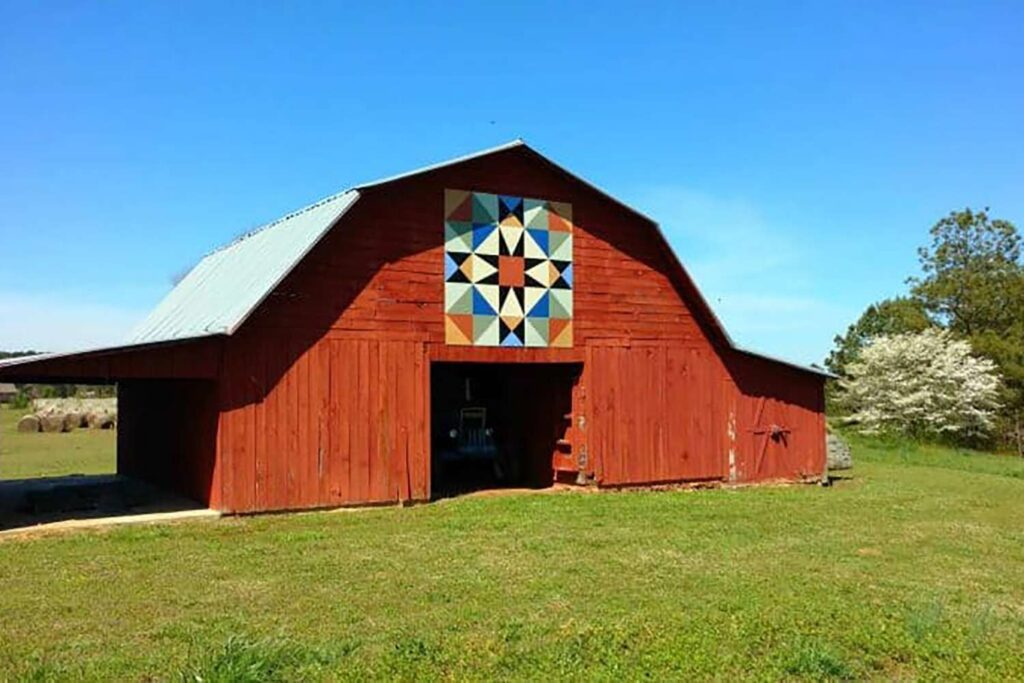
(220, 293)
(227, 285)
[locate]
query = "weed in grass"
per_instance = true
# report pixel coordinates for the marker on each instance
(246, 660)
(816, 661)
(38, 670)
(925, 622)
(413, 657)
(981, 625)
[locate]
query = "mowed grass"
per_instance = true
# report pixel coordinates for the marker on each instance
(83, 451)
(913, 567)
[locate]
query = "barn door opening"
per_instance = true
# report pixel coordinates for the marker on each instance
(499, 425)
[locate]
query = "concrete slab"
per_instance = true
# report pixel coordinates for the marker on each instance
(59, 503)
(100, 522)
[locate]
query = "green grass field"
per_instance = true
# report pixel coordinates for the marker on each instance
(911, 568)
(83, 451)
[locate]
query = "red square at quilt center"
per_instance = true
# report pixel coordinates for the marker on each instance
(511, 271)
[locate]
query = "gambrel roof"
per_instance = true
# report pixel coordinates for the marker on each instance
(219, 294)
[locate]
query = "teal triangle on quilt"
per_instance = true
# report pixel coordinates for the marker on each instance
(485, 208)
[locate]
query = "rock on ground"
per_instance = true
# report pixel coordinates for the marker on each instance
(839, 456)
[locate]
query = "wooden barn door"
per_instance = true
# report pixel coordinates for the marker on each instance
(779, 444)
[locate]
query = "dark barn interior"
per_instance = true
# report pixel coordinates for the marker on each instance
(498, 425)
(168, 434)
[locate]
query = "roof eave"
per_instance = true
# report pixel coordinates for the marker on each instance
(813, 369)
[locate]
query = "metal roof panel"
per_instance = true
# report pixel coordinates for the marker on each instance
(223, 289)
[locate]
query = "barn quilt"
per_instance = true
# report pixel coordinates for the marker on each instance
(507, 270)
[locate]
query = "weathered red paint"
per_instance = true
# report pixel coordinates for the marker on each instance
(322, 398)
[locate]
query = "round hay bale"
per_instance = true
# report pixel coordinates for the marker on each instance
(29, 423)
(72, 421)
(51, 422)
(107, 421)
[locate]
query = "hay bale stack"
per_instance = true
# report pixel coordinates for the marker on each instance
(29, 423)
(74, 413)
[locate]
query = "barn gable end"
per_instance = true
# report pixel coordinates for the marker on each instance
(347, 340)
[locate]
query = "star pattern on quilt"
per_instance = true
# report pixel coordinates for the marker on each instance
(507, 270)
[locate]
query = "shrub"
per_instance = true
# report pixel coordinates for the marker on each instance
(925, 384)
(21, 401)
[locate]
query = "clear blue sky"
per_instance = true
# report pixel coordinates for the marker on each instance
(795, 153)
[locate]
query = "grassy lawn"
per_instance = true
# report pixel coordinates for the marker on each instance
(83, 451)
(913, 567)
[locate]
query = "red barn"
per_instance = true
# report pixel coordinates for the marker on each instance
(493, 320)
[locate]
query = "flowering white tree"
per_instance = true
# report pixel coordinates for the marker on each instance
(924, 384)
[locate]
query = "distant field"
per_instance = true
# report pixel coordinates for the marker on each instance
(913, 567)
(83, 451)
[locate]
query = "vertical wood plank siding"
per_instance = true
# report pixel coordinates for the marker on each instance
(324, 394)
(343, 423)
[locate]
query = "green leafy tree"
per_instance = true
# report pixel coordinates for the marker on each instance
(973, 283)
(973, 277)
(886, 318)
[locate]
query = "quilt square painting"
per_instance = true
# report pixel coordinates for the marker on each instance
(507, 270)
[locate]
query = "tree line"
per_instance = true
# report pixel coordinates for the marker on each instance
(910, 364)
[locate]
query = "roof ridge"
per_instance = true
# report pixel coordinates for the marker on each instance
(518, 142)
(354, 188)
